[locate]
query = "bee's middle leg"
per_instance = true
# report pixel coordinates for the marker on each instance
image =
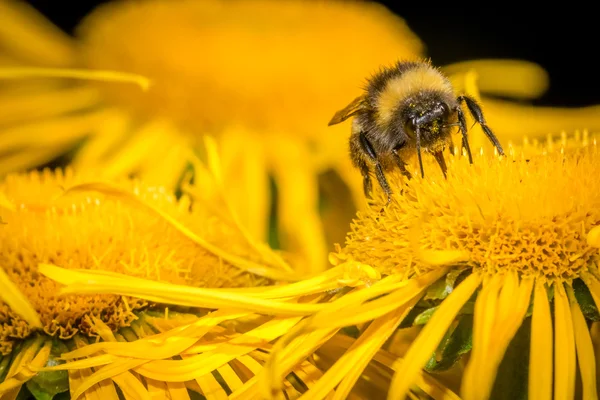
(370, 152)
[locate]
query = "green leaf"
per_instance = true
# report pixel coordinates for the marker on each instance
(438, 291)
(443, 287)
(512, 378)
(423, 317)
(351, 331)
(4, 364)
(585, 300)
(47, 384)
(454, 345)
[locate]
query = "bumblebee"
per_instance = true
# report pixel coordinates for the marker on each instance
(406, 108)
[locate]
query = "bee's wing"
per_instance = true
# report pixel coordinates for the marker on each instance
(348, 111)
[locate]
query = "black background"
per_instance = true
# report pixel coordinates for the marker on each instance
(562, 38)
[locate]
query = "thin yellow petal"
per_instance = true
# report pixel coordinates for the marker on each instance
(62, 130)
(27, 367)
(564, 345)
(177, 391)
(232, 380)
(194, 366)
(298, 195)
(350, 366)
(430, 337)
(25, 33)
(33, 157)
(439, 258)
(131, 387)
(106, 373)
(374, 309)
(108, 136)
(84, 281)
(16, 300)
(240, 262)
(231, 152)
(247, 180)
(585, 349)
(47, 104)
(211, 388)
(85, 74)
(128, 157)
(157, 389)
(285, 355)
(540, 357)
(515, 78)
(499, 312)
(160, 346)
(514, 121)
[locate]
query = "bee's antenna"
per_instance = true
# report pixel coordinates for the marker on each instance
(418, 134)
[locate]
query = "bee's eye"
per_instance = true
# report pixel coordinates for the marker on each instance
(411, 125)
(445, 107)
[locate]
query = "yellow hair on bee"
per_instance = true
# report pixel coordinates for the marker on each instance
(421, 78)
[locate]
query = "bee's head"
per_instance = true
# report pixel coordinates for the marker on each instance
(431, 115)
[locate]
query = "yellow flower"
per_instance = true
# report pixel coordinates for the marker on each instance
(75, 221)
(481, 260)
(475, 260)
(264, 77)
(255, 74)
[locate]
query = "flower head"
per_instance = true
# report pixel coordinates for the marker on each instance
(476, 259)
(81, 224)
(255, 74)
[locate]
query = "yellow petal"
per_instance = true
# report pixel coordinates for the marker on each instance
(298, 195)
(499, 312)
(11, 295)
(564, 345)
(161, 346)
(105, 373)
(24, 366)
(28, 35)
(247, 185)
(248, 225)
(85, 74)
(512, 121)
(131, 387)
(349, 367)
(240, 262)
(514, 78)
(431, 335)
(540, 358)
(446, 257)
(84, 281)
(194, 366)
(585, 349)
(48, 104)
(349, 316)
(211, 388)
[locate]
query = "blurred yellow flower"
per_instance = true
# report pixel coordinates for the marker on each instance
(481, 260)
(253, 73)
(264, 77)
(79, 223)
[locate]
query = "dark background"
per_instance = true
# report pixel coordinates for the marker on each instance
(563, 39)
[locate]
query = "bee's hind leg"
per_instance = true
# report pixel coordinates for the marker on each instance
(361, 150)
(367, 181)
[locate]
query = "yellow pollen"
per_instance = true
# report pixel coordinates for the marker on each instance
(535, 212)
(91, 230)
